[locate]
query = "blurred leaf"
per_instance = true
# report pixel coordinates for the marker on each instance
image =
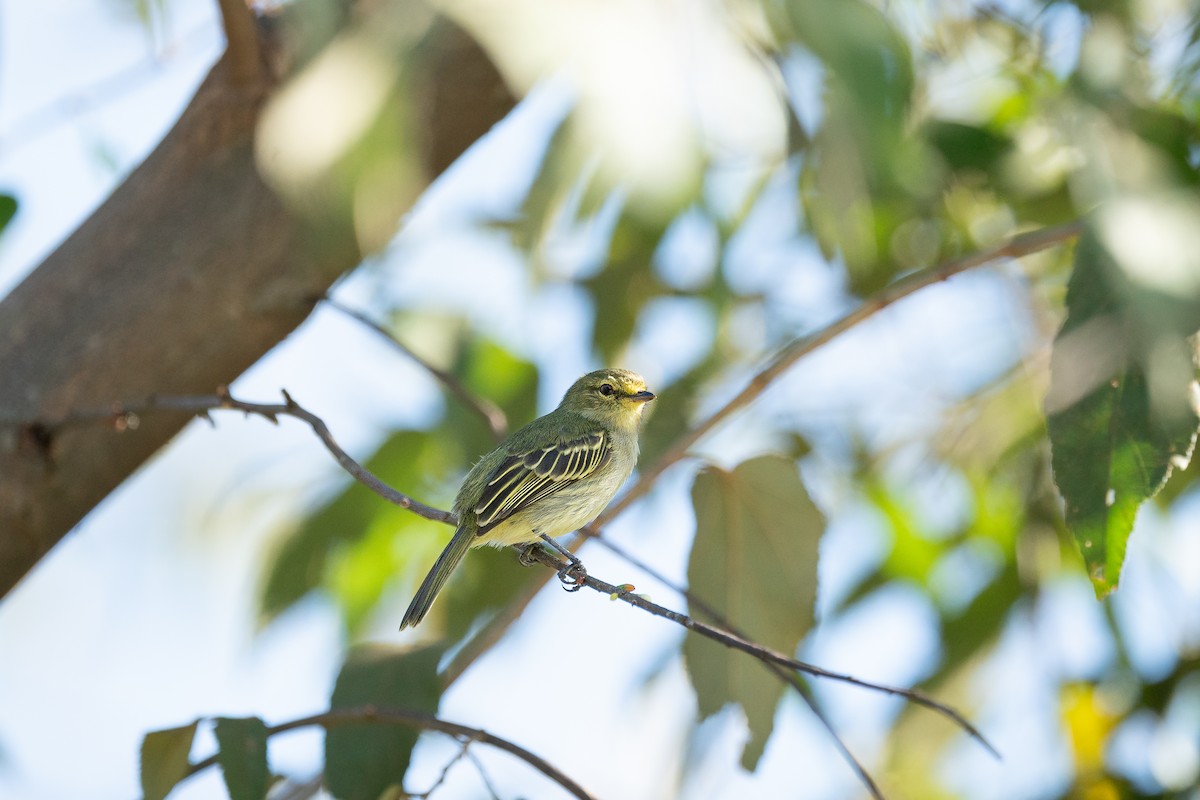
(548, 197)
(1111, 447)
(622, 288)
(754, 562)
(965, 634)
(866, 55)
(968, 146)
(406, 460)
(1173, 135)
(243, 757)
(165, 760)
(8, 210)
(507, 380)
(363, 761)
(913, 554)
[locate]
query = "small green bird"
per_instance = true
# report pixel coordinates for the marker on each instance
(547, 479)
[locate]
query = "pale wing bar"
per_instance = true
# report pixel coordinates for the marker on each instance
(525, 478)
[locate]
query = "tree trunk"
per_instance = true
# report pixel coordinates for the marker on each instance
(189, 273)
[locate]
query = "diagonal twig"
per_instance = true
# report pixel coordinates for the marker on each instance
(485, 409)
(765, 654)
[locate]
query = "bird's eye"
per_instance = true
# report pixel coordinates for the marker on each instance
(606, 389)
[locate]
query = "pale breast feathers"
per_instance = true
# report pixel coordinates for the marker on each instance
(524, 478)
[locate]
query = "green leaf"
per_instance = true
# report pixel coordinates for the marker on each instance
(1118, 420)
(8, 210)
(363, 761)
(754, 561)
(243, 757)
(165, 760)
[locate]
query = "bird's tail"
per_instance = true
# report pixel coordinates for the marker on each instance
(460, 543)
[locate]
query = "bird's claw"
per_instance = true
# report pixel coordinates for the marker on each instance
(572, 576)
(526, 556)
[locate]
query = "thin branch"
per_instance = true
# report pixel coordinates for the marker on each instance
(241, 41)
(796, 683)
(485, 409)
(766, 654)
(1023, 245)
(426, 722)
(124, 416)
(464, 746)
(302, 791)
(483, 776)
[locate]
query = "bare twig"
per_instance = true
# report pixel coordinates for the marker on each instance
(489, 412)
(765, 654)
(483, 776)
(1023, 245)
(302, 791)
(794, 680)
(464, 746)
(412, 719)
(125, 416)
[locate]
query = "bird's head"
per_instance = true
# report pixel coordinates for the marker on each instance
(614, 397)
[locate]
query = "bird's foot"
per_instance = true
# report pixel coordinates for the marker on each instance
(572, 575)
(526, 556)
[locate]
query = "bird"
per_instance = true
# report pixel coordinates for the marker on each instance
(547, 479)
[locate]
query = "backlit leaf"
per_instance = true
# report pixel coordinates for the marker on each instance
(754, 561)
(165, 760)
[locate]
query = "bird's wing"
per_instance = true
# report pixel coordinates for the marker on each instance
(524, 478)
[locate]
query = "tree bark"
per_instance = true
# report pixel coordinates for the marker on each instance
(189, 273)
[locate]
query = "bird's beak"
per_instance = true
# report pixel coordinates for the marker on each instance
(642, 397)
